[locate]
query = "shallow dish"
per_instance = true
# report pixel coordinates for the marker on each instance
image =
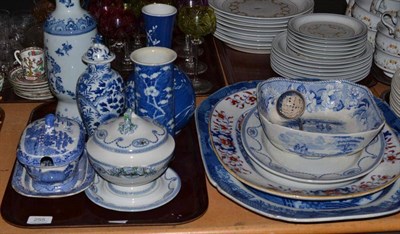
(340, 117)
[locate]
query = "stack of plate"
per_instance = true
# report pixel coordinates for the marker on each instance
(247, 168)
(250, 26)
(29, 89)
(394, 98)
(323, 46)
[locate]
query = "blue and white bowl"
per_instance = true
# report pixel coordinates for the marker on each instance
(50, 149)
(130, 151)
(340, 117)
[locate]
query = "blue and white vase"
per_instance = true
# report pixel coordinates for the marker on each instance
(100, 90)
(68, 31)
(150, 89)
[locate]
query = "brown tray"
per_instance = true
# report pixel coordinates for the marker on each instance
(2, 116)
(78, 211)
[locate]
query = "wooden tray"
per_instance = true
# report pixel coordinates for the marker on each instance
(78, 211)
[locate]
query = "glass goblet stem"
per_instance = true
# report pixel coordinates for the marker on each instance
(200, 86)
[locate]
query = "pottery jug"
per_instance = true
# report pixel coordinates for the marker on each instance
(100, 89)
(68, 31)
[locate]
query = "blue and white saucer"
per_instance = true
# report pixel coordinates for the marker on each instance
(134, 199)
(307, 169)
(25, 185)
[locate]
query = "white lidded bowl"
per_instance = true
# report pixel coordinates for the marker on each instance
(340, 117)
(130, 150)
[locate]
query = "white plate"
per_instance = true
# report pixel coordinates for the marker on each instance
(279, 44)
(225, 124)
(296, 75)
(269, 10)
(384, 202)
(303, 169)
(240, 24)
(328, 27)
(360, 73)
(163, 190)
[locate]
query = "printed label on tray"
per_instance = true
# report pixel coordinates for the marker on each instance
(39, 220)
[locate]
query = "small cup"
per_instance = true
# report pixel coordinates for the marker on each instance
(32, 60)
(159, 22)
(380, 6)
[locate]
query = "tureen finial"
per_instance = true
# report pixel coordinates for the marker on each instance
(127, 127)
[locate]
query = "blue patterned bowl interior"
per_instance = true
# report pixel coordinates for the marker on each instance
(340, 117)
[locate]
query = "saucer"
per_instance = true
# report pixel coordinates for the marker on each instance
(305, 169)
(225, 123)
(24, 185)
(131, 199)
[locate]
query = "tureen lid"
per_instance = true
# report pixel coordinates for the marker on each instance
(133, 135)
(58, 139)
(98, 53)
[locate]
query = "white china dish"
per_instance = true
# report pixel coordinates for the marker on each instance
(224, 123)
(386, 61)
(163, 190)
(340, 117)
(368, 18)
(322, 74)
(279, 44)
(256, 10)
(327, 27)
(130, 150)
(386, 42)
(381, 203)
(302, 169)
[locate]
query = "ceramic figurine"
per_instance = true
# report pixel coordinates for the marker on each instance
(68, 32)
(100, 89)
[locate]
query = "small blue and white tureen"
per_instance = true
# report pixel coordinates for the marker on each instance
(50, 149)
(130, 151)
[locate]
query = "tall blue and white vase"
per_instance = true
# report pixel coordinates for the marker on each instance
(150, 88)
(100, 90)
(68, 32)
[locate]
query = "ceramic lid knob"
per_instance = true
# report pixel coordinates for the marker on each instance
(98, 53)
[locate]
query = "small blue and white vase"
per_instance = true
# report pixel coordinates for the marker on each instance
(100, 89)
(150, 89)
(68, 31)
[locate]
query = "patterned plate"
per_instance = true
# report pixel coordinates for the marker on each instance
(383, 202)
(225, 126)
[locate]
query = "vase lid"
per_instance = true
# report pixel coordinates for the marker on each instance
(58, 138)
(98, 53)
(132, 134)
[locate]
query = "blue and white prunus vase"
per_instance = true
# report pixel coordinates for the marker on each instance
(68, 32)
(100, 90)
(152, 85)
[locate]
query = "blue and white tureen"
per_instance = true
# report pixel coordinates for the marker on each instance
(50, 149)
(130, 151)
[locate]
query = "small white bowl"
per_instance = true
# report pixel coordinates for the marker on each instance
(340, 117)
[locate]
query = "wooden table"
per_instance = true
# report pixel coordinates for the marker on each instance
(222, 215)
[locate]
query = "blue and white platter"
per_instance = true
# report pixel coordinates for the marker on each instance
(377, 202)
(23, 183)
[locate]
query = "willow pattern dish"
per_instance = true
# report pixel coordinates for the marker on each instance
(225, 122)
(25, 185)
(383, 202)
(304, 169)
